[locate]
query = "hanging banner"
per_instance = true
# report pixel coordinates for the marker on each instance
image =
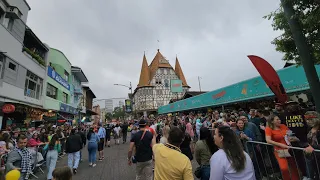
(128, 106)
(176, 86)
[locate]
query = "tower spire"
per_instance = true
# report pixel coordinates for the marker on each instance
(145, 73)
(179, 73)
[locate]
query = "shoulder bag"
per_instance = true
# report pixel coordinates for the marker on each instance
(283, 153)
(134, 160)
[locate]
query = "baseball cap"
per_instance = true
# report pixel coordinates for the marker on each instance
(142, 122)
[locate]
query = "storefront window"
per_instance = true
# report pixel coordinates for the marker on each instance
(51, 91)
(33, 85)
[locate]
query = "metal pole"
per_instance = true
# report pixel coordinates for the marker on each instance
(199, 83)
(306, 56)
(130, 87)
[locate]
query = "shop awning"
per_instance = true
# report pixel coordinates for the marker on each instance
(293, 79)
(90, 112)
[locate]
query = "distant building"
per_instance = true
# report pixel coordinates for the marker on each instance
(153, 89)
(109, 105)
(121, 104)
(96, 118)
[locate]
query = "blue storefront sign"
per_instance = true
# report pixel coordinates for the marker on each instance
(68, 109)
(54, 75)
(293, 79)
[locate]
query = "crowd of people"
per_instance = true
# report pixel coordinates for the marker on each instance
(235, 144)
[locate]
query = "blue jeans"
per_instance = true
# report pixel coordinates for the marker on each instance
(73, 157)
(205, 173)
(51, 160)
(92, 149)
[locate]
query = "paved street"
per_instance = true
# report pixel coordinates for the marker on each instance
(113, 167)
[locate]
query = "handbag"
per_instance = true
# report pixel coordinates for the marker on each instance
(134, 160)
(283, 153)
(197, 172)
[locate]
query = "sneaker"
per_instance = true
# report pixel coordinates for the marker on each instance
(108, 145)
(90, 164)
(100, 159)
(94, 165)
(74, 171)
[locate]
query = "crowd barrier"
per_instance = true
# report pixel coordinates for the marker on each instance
(293, 163)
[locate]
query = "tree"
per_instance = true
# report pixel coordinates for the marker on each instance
(308, 14)
(118, 112)
(108, 116)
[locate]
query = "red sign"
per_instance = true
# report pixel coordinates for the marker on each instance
(219, 95)
(8, 108)
(176, 85)
(61, 121)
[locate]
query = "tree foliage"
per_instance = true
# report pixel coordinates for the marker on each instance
(108, 116)
(308, 14)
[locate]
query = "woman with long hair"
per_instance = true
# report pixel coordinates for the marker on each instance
(275, 135)
(185, 146)
(54, 147)
(93, 140)
(203, 151)
(230, 161)
(165, 133)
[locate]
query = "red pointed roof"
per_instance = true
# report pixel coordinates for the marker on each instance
(145, 73)
(179, 73)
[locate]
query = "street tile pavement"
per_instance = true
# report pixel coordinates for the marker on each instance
(113, 167)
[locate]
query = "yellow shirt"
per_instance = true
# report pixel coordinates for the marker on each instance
(171, 164)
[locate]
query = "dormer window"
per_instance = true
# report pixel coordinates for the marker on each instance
(158, 81)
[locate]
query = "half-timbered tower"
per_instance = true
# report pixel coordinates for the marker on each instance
(153, 89)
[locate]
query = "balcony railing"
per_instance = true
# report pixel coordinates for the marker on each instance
(34, 56)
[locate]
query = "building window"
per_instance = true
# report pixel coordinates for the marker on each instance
(65, 98)
(51, 91)
(166, 83)
(10, 24)
(159, 92)
(1, 65)
(158, 81)
(66, 75)
(33, 85)
(2, 13)
(12, 66)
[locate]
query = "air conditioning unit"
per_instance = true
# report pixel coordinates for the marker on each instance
(13, 12)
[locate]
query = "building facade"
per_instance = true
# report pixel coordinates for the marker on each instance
(23, 59)
(77, 78)
(153, 89)
(58, 85)
(87, 103)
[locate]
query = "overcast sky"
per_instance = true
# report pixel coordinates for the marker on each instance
(107, 38)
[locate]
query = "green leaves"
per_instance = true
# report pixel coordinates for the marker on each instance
(308, 14)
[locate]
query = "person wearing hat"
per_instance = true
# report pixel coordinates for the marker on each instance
(142, 141)
(294, 119)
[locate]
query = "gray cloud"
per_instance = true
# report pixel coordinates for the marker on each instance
(107, 38)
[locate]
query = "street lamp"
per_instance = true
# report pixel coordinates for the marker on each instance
(130, 86)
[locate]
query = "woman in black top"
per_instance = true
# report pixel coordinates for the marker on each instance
(185, 145)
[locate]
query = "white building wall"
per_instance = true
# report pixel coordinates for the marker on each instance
(12, 83)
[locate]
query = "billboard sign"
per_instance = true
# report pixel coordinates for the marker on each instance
(128, 106)
(176, 86)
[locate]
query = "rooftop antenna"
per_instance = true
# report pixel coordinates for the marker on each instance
(158, 45)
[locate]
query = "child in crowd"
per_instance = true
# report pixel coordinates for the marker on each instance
(62, 173)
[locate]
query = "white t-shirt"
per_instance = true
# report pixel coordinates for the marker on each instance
(221, 168)
(117, 130)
